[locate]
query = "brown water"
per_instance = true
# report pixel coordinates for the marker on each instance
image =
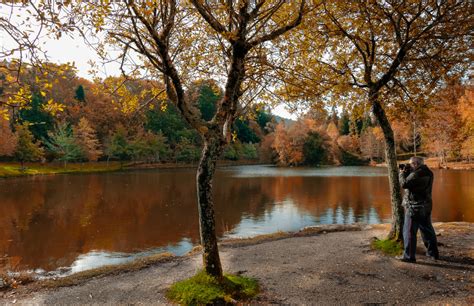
(77, 222)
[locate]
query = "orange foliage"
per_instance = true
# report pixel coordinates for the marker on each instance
(8, 139)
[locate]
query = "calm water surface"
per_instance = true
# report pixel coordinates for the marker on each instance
(70, 223)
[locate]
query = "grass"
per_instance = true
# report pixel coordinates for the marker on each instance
(204, 289)
(14, 169)
(387, 246)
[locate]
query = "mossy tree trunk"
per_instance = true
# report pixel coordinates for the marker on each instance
(207, 225)
(247, 28)
(396, 231)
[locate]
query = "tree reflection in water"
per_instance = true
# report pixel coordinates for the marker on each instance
(82, 221)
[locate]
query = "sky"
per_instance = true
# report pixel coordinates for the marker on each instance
(74, 50)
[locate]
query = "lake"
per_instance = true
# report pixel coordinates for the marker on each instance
(64, 224)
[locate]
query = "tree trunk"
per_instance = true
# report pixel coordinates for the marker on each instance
(396, 231)
(207, 225)
(414, 136)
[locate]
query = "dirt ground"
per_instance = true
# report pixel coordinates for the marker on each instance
(324, 265)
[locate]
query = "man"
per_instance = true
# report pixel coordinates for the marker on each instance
(417, 180)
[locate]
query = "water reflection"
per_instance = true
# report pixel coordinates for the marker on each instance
(84, 221)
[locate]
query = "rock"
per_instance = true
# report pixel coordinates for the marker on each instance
(2, 283)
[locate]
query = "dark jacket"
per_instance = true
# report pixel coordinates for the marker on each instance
(418, 186)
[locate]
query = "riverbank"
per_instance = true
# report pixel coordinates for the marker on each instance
(434, 163)
(324, 264)
(14, 169)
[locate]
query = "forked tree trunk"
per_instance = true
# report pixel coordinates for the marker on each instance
(207, 225)
(396, 231)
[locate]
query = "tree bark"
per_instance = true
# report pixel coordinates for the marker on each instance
(205, 173)
(396, 231)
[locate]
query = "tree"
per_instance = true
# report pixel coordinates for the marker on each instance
(20, 45)
(466, 110)
(80, 94)
(148, 146)
(343, 124)
(158, 145)
(289, 141)
(26, 148)
(444, 126)
(371, 143)
(40, 121)
(169, 122)
(207, 100)
(332, 131)
(244, 133)
(8, 139)
(185, 151)
(25, 87)
(63, 145)
(249, 151)
(314, 151)
(86, 139)
(118, 145)
(161, 32)
(382, 56)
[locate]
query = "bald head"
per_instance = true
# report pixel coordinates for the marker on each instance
(416, 161)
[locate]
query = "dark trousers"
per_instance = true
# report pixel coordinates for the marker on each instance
(410, 229)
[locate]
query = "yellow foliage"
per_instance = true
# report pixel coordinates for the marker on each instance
(53, 107)
(4, 114)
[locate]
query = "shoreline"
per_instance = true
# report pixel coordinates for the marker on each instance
(340, 249)
(12, 170)
(433, 163)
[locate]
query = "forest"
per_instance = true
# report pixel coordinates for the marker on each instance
(90, 121)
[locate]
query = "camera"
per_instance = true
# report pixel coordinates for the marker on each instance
(404, 167)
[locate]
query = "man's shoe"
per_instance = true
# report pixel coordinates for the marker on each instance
(431, 257)
(401, 258)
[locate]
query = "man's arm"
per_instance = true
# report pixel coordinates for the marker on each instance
(407, 180)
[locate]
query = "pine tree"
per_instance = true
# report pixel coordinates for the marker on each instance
(63, 145)
(207, 102)
(87, 141)
(80, 94)
(39, 121)
(118, 146)
(343, 124)
(26, 148)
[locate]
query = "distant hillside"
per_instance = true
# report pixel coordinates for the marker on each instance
(287, 121)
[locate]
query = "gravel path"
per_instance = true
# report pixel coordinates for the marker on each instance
(336, 267)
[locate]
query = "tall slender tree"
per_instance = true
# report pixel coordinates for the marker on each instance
(62, 144)
(179, 42)
(87, 141)
(381, 55)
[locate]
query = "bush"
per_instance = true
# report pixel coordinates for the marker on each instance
(231, 153)
(249, 151)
